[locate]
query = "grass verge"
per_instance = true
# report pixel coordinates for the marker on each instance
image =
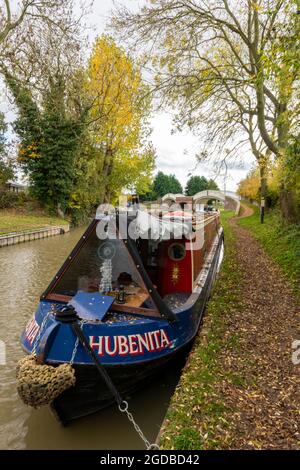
(11, 221)
(281, 242)
(197, 410)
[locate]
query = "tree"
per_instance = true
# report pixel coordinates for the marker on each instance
(118, 120)
(211, 184)
(41, 63)
(195, 184)
(37, 37)
(289, 171)
(39, 60)
(137, 176)
(164, 184)
(235, 69)
(82, 132)
(249, 187)
(49, 139)
(3, 129)
(31, 12)
(6, 167)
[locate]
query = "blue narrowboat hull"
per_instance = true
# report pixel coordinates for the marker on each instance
(131, 351)
(91, 394)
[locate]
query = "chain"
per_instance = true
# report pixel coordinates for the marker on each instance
(74, 351)
(40, 332)
(123, 407)
(76, 343)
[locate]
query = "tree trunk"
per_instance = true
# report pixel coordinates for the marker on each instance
(288, 205)
(59, 211)
(106, 172)
(263, 189)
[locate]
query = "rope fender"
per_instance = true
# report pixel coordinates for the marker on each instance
(39, 384)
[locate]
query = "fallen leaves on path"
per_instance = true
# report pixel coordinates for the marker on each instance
(267, 412)
(240, 388)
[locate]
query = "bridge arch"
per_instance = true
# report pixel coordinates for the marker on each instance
(170, 198)
(230, 198)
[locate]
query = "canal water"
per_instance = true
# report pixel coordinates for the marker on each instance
(25, 271)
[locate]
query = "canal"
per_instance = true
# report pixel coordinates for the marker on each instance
(25, 271)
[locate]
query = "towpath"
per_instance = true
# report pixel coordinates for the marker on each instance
(251, 383)
(267, 413)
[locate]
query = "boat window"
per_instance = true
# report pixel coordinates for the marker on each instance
(176, 251)
(105, 266)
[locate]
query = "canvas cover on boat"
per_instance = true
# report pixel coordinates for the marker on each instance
(171, 225)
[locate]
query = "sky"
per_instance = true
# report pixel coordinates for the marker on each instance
(175, 151)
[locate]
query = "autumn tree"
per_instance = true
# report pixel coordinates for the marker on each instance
(249, 187)
(120, 106)
(43, 41)
(36, 36)
(233, 67)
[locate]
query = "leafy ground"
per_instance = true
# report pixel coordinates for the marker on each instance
(240, 388)
(12, 221)
(281, 242)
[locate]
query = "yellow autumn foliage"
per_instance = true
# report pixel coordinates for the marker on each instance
(113, 85)
(118, 116)
(29, 151)
(249, 187)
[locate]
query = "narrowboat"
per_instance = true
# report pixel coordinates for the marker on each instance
(136, 283)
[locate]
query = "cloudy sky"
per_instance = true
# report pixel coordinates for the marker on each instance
(175, 151)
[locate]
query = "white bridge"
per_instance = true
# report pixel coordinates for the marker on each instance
(230, 198)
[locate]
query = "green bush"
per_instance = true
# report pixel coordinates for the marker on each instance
(272, 197)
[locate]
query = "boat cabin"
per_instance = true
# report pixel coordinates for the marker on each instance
(151, 274)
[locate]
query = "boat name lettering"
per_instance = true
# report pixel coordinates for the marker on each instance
(152, 341)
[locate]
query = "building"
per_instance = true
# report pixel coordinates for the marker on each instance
(16, 187)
